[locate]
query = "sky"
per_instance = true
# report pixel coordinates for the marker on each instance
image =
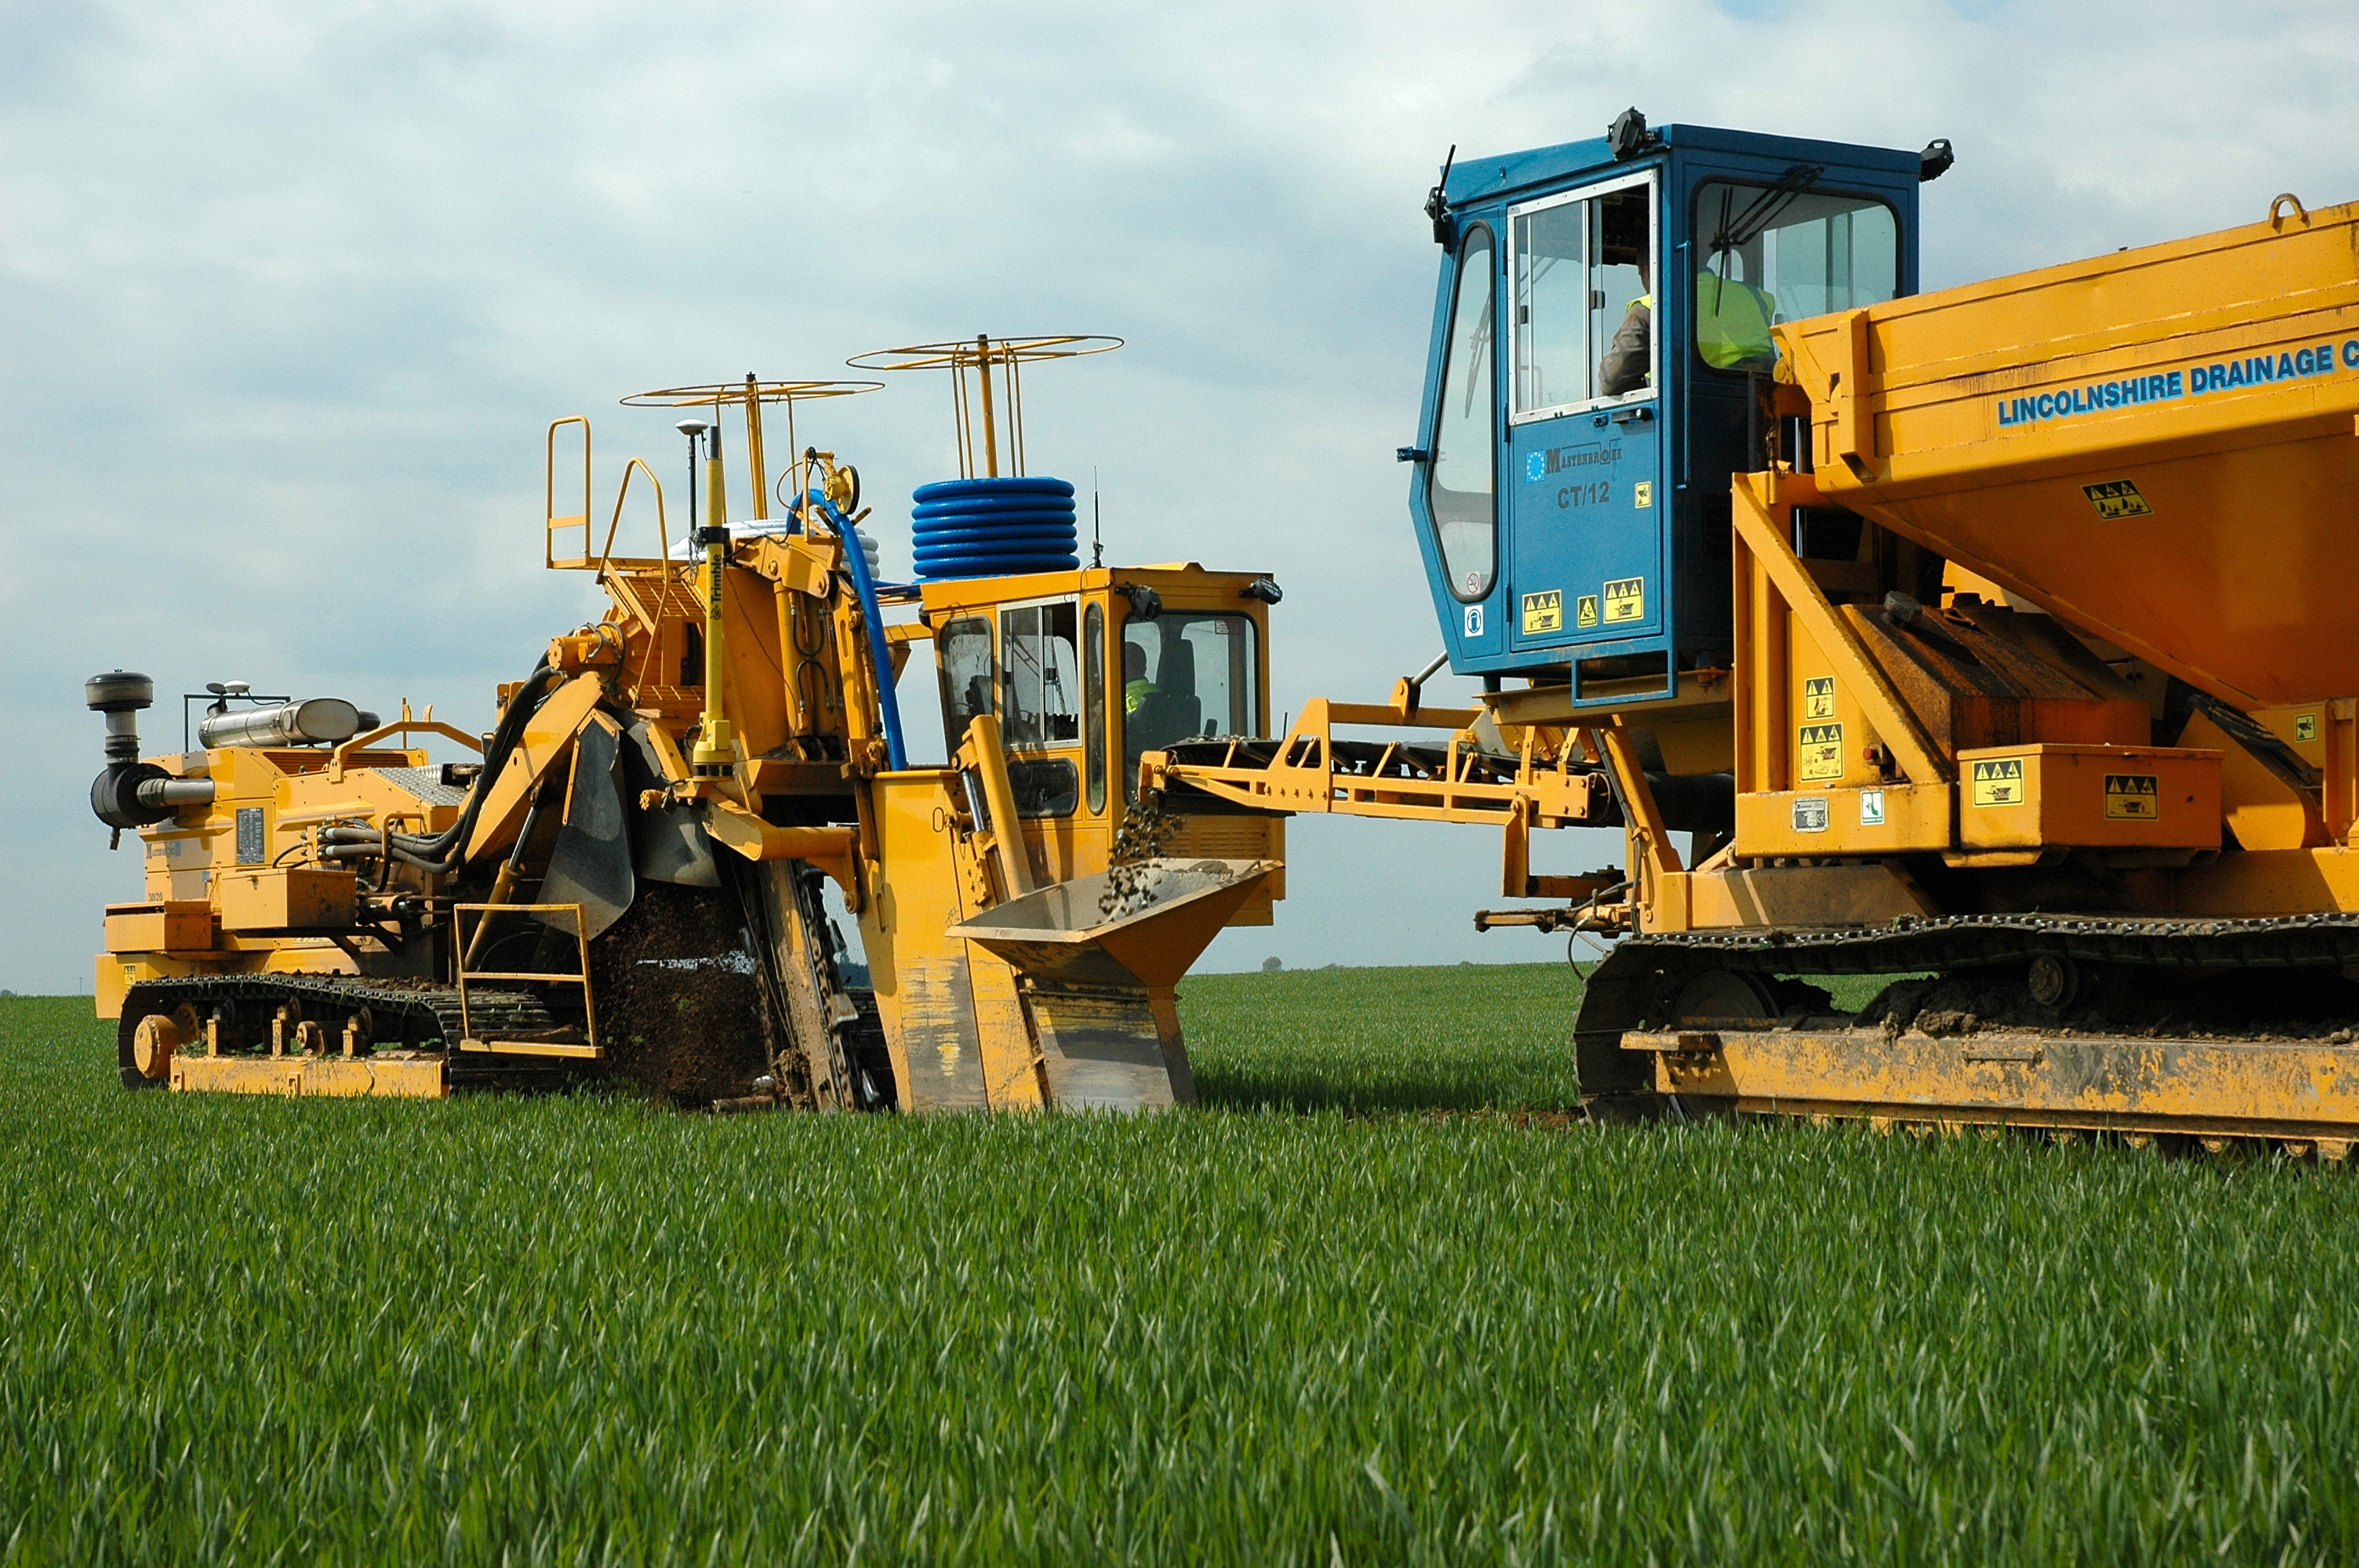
(289, 295)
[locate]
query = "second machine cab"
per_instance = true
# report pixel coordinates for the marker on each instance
(1600, 367)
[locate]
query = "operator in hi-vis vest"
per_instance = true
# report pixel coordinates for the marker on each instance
(1136, 687)
(1733, 318)
(1623, 242)
(1625, 368)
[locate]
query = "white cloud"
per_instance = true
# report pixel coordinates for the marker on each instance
(291, 291)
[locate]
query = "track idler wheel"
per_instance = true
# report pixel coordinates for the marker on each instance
(1722, 996)
(1619, 995)
(151, 1029)
(2055, 982)
(153, 1041)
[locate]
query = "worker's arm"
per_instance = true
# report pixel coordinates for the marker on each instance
(1624, 366)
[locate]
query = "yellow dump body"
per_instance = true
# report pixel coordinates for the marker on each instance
(2156, 445)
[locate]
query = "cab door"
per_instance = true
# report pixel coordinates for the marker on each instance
(1582, 479)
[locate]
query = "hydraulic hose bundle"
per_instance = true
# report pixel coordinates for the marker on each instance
(995, 527)
(438, 853)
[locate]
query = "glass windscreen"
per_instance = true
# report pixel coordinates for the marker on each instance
(1186, 673)
(1772, 253)
(963, 647)
(1459, 489)
(1039, 676)
(1583, 313)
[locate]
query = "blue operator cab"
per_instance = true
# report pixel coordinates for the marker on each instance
(1601, 365)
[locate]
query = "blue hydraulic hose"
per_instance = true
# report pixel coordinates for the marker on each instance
(895, 755)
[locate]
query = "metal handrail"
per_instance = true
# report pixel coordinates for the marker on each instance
(551, 521)
(467, 1041)
(404, 726)
(663, 528)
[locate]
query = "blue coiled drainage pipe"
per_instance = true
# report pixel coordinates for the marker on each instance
(995, 527)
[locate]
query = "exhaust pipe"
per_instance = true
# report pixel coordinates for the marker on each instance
(320, 721)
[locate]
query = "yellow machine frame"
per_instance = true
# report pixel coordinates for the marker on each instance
(1022, 951)
(2134, 469)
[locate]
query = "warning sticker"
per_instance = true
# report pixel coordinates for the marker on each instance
(1999, 782)
(2305, 726)
(1822, 746)
(1871, 808)
(1625, 599)
(2116, 498)
(2133, 798)
(1818, 697)
(1810, 813)
(1643, 494)
(1585, 610)
(1544, 611)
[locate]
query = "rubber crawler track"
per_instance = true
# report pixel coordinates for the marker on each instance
(1970, 941)
(1631, 989)
(405, 1014)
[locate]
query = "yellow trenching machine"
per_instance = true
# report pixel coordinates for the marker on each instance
(630, 877)
(1995, 641)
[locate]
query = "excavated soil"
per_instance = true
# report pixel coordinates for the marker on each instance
(679, 1008)
(2252, 1004)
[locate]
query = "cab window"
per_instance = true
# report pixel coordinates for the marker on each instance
(965, 649)
(1040, 671)
(1093, 715)
(1780, 252)
(1583, 311)
(1459, 488)
(1043, 786)
(1186, 673)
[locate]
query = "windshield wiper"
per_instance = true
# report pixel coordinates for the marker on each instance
(1764, 209)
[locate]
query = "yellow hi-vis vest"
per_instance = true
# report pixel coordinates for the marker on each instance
(1733, 322)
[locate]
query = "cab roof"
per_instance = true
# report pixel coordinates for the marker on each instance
(1474, 179)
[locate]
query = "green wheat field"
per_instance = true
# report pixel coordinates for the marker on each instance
(1356, 1310)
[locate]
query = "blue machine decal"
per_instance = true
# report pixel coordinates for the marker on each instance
(1554, 460)
(2187, 381)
